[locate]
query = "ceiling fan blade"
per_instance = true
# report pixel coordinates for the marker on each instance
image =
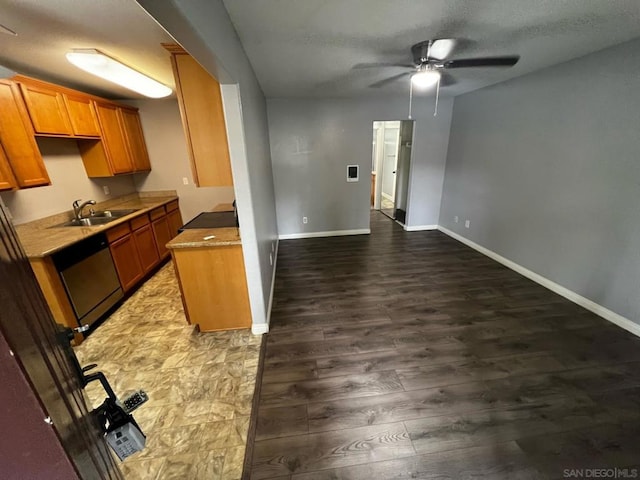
(381, 64)
(386, 81)
(482, 62)
(442, 48)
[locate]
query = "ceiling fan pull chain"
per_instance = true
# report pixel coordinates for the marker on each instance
(410, 98)
(435, 112)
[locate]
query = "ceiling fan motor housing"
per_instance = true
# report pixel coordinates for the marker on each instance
(420, 52)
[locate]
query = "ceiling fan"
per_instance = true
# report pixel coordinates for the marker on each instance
(430, 62)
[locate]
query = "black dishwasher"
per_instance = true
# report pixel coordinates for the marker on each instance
(89, 277)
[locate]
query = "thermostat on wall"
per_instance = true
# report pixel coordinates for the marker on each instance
(353, 173)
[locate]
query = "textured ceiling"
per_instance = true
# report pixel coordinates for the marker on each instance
(308, 48)
(48, 29)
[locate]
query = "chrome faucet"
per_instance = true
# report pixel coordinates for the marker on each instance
(78, 207)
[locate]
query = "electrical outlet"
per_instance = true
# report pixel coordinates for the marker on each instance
(271, 259)
(106, 189)
(456, 219)
(185, 181)
(467, 223)
(305, 220)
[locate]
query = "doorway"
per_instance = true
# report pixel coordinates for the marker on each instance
(390, 164)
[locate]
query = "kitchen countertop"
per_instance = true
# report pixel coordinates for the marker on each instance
(42, 238)
(195, 238)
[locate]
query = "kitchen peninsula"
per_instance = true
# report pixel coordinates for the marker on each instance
(210, 268)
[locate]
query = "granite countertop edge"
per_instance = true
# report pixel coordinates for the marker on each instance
(195, 238)
(58, 238)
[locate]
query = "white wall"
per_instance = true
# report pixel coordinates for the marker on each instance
(312, 142)
(170, 162)
(204, 29)
(547, 169)
(69, 182)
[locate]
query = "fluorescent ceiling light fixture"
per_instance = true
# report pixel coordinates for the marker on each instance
(425, 78)
(103, 66)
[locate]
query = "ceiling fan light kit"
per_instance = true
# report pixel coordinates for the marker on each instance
(425, 79)
(97, 63)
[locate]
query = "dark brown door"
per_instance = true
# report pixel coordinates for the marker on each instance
(28, 328)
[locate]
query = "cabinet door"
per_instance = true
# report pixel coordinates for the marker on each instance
(175, 222)
(162, 234)
(146, 245)
(113, 139)
(135, 140)
(125, 258)
(200, 103)
(82, 115)
(7, 180)
(17, 138)
(47, 110)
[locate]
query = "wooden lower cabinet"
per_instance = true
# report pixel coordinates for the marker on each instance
(127, 262)
(162, 234)
(146, 247)
(175, 222)
(214, 286)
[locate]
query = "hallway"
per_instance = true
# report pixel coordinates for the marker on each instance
(408, 355)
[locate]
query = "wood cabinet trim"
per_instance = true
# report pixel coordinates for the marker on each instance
(7, 179)
(157, 213)
(18, 138)
(78, 124)
(139, 222)
(45, 118)
(115, 233)
(127, 265)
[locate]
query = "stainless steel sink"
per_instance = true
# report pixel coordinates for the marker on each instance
(101, 217)
(112, 213)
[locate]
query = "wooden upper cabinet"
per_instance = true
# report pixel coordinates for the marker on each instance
(135, 139)
(113, 139)
(7, 180)
(121, 149)
(203, 120)
(47, 110)
(17, 138)
(82, 115)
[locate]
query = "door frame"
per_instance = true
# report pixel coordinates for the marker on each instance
(378, 189)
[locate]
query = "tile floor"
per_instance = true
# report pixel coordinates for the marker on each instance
(200, 385)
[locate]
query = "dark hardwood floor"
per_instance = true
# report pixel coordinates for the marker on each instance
(408, 355)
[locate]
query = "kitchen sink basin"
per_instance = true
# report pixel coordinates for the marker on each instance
(112, 213)
(101, 217)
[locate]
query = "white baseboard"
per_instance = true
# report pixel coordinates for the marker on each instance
(419, 228)
(261, 328)
(335, 233)
(576, 298)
